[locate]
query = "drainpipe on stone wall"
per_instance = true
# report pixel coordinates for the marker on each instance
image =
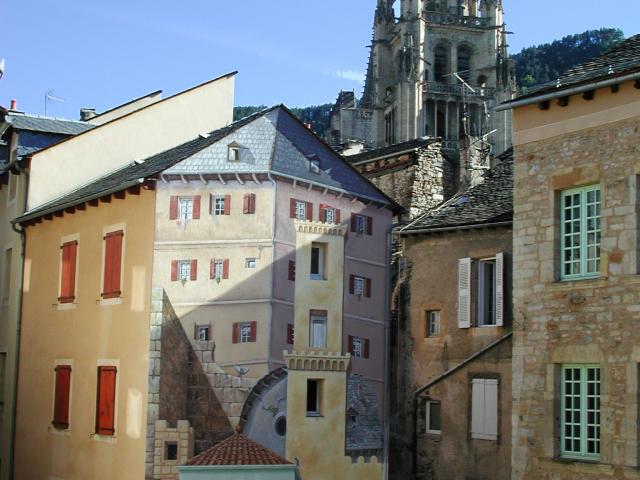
(273, 270)
(23, 239)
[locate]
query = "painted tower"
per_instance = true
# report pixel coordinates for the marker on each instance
(438, 69)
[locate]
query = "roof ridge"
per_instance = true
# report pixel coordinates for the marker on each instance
(238, 449)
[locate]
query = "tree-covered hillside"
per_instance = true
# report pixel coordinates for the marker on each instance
(546, 62)
(534, 65)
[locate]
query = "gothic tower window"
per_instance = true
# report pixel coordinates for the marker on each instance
(441, 67)
(464, 62)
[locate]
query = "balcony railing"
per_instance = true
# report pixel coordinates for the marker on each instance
(451, 19)
(457, 90)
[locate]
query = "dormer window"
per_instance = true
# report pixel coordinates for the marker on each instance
(234, 153)
(314, 164)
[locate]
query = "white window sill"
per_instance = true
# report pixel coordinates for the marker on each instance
(314, 415)
(103, 438)
(66, 306)
(110, 301)
(480, 436)
(317, 278)
(59, 432)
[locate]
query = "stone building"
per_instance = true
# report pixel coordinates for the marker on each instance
(451, 369)
(575, 263)
(436, 68)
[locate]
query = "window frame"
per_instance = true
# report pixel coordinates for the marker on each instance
(110, 298)
(244, 327)
(428, 330)
(481, 290)
(361, 281)
(583, 248)
(250, 260)
(320, 274)
(318, 400)
(427, 426)
(181, 201)
(237, 154)
(200, 329)
(68, 301)
(219, 205)
(109, 364)
(182, 263)
(301, 210)
(361, 224)
(486, 379)
(584, 426)
(318, 315)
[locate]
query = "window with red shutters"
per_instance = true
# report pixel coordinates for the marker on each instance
(68, 272)
(196, 207)
(173, 208)
(292, 271)
(174, 270)
(249, 203)
(254, 331)
(225, 268)
(62, 397)
(310, 211)
(290, 333)
(194, 270)
(227, 204)
(112, 264)
(106, 400)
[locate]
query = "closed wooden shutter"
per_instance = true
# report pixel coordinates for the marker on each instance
(194, 270)
(236, 333)
(322, 212)
(290, 334)
(464, 293)
(246, 204)
(212, 269)
(338, 218)
(106, 401)
(354, 222)
(292, 208)
(173, 208)
(292, 271)
(310, 211)
(366, 348)
(352, 284)
(62, 396)
(112, 264)
(500, 289)
(225, 268)
(196, 207)
(174, 270)
(227, 204)
(367, 287)
(369, 226)
(254, 331)
(68, 274)
(252, 203)
(211, 201)
(484, 408)
(350, 344)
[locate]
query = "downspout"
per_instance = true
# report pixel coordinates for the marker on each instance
(273, 269)
(23, 240)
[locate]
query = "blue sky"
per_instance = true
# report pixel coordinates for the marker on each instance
(102, 53)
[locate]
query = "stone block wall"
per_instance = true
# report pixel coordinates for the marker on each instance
(182, 437)
(587, 321)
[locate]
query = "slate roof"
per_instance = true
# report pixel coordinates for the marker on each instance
(488, 202)
(238, 450)
(389, 150)
(362, 400)
(35, 123)
(276, 140)
(617, 61)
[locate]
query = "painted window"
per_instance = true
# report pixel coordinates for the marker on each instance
(358, 286)
(171, 451)
(220, 269)
(358, 347)
(318, 259)
(580, 411)
(250, 263)
(434, 417)
(186, 209)
(62, 397)
(219, 205)
(112, 275)
(433, 323)
(301, 210)
(249, 203)
(203, 333)
(361, 224)
(234, 154)
(184, 270)
(484, 408)
(580, 232)
(245, 332)
(314, 397)
(106, 400)
(318, 337)
(314, 166)
(68, 259)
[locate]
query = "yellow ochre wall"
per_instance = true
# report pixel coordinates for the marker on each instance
(84, 335)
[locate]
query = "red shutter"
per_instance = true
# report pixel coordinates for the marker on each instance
(246, 202)
(338, 219)
(254, 331)
(211, 200)
(194, 270)
(68, 277)
(369, 226)
(225, 268)
(352, 284)
(292, 270)
(354, 222)
(350, 345)
(309, 211)
(227, 204)
(367, 287)
(173, 208)
(292, 208)
(174, 270)
(252, 203)
(196, 207)
(366, 348)
(236, 332)
(322, 212)
(61, 401)
(106, 401)
(290, 334)
(212, 269)
(112, 264)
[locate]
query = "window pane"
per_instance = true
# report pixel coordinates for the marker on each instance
(581, 411)
(318, 331)
(315, 261)
(435, 420)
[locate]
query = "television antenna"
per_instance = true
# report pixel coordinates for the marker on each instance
(1, 67)
(48, 96)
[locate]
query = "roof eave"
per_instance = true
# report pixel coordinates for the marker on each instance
(473, 226)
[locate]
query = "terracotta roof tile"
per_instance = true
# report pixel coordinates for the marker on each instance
(238, 450)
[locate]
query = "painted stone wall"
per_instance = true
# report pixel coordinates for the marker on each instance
(588, 321)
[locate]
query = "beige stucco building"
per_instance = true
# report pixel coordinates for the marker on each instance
(575, 353)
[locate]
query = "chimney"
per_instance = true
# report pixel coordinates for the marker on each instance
(87, 114)
(14, 105)
(308, 125)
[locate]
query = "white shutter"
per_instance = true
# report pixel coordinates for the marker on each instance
(464, 293)
(500, 289)
(484, 409)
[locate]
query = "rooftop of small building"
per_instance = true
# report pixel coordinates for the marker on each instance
(390, 150)
(38, 123)
(488, 202)
(238, 449)
(623, 59)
